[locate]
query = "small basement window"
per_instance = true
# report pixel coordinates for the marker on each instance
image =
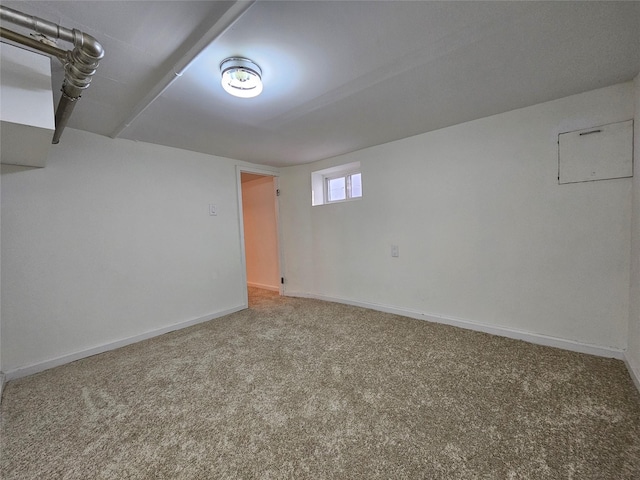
(336, 184)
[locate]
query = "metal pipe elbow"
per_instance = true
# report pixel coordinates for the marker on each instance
(88, 45)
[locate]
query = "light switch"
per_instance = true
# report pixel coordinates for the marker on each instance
(395, 252)
(212, 209)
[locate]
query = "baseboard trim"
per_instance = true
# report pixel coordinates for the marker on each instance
(2, 380)
(264, 287)
(634, 373)
(536, 338)
(72, 357)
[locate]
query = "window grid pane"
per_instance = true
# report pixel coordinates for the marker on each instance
(336, 188)
(356, 185)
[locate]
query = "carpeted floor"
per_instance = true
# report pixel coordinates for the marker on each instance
(304, 389)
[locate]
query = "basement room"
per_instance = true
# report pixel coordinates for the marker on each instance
(275, 239)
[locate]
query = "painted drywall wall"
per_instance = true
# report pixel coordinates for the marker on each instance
(27, 116)
(1, 368)
(260, 233)
(633, 349)
(113, 240)
(485, 233)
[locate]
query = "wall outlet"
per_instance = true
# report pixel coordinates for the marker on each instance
(395, 252)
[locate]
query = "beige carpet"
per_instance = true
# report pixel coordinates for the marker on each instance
(303, 389)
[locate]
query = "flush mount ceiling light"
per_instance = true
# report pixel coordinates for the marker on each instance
(241, 77)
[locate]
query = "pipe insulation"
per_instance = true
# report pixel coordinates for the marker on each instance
(79, 64)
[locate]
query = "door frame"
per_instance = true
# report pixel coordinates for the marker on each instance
(275, 174)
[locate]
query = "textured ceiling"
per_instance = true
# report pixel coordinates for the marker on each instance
(338, 76)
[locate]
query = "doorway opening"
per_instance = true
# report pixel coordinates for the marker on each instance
(261, 234)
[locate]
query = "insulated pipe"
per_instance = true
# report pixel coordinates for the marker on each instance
(79, 64)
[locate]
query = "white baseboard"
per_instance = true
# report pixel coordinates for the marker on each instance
(264, 287)
(633, 372)
(72, 357)
(535, 338)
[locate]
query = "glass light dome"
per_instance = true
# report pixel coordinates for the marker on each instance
(241, 77)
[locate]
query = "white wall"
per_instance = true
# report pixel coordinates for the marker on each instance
(27, 117)
(1, 367)
(633, 350)
(485, 232)
(260, 233)
(110, 241)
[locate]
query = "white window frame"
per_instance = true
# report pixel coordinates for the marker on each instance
(348, 190)
(320, 181)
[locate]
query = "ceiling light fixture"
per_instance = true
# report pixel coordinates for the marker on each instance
(241, 77)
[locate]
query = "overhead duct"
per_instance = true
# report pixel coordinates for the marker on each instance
(79, 64)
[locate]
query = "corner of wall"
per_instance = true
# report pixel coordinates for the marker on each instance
(632, 354)
(634, 373)
(1, 374)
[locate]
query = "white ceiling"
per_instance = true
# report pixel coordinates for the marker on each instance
(338, 75)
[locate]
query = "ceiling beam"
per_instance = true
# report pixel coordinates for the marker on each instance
(221, 25)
